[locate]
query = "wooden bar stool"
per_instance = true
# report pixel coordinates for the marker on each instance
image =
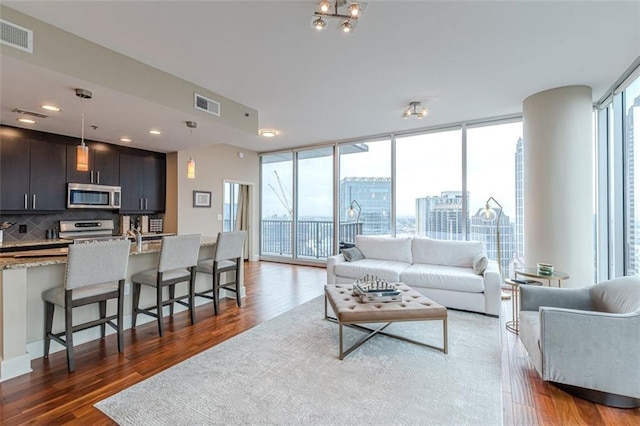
(177, 263)
(228, 257)
(90, 277)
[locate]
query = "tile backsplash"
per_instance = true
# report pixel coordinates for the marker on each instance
(37, 224)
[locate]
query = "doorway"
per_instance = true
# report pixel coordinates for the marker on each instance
(236, 213)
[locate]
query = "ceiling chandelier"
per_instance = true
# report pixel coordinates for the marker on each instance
(415, 109)
(348, 12)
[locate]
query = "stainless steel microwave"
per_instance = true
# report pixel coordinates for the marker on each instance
(88, 196)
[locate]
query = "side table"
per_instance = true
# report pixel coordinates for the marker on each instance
(513, 325)
(533, 273)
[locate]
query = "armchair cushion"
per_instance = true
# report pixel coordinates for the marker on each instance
(616, 296)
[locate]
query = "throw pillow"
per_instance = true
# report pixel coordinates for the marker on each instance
(352, 254)
(480, 263)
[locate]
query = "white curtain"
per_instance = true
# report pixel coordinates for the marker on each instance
(242, 214)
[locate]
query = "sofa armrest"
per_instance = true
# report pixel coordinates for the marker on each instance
(331, 263)
(533, 297)
(492, 289)
(594, 350)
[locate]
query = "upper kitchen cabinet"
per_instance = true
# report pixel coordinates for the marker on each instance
(32, 173)
(142, 179)
(104, 165)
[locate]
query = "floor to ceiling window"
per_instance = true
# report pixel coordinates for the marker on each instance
(618, 178)
(365, 189)
(277, 204)
(495, 174)
(314, 213)
(429, 185)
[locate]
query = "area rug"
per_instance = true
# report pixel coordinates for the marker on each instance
(286, 371)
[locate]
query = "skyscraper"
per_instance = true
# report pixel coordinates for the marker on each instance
(519, 235)
(440, 217)
(483, 229)
(373, 194)
(633, 118)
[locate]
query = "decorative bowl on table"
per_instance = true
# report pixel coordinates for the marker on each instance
(545, 268)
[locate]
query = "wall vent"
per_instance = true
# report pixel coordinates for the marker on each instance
(31, 113)
(207, 105)
(16, 36)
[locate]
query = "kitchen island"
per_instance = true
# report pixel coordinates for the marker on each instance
(23, 279)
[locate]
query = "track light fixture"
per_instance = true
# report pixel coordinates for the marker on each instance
(415, 109)
(347, 11)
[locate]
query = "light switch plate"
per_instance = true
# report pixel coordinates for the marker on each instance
(219, 216)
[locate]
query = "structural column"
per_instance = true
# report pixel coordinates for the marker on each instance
(558, 182)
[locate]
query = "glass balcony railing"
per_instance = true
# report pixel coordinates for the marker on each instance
(314, 237)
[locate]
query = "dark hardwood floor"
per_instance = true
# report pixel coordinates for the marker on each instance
(50, 395)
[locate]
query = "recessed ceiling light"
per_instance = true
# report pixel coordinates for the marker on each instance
(155, 132)
(268, 133)
(26, 120)
(125, 140)
(51, 108)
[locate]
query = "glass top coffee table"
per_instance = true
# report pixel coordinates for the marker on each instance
(533, 273)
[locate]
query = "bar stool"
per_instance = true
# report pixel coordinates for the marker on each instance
(90, 277)
(178, 259)
(228, 256)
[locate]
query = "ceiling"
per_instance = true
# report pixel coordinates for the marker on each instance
(462, 60)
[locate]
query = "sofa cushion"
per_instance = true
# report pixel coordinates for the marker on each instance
(480, 263)
(386, 269)
(446, 252)
(352, 254)
(385, 248)
(443, 277)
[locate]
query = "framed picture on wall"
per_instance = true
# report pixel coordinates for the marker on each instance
(201, 198)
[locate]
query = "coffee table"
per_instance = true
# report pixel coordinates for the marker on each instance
(351, 312)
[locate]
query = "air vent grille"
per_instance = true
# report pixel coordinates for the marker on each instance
(207, 105)
(31, 113)
(16, 36)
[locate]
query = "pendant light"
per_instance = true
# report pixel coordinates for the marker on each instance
(82, 150)
(191, 164)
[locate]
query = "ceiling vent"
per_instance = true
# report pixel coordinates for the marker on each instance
(31, 113)
(207, 105)
(16, 36)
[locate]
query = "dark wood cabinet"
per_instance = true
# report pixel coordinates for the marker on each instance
(35, 168)
(104, 165)
(32, 174)
(14, 171)
(142, 179)
(154, 183)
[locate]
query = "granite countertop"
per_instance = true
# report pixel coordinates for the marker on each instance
(9, 261)
(59, 242)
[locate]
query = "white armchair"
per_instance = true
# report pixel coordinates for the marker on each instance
(586, 340)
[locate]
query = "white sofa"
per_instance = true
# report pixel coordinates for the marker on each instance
(442, 270)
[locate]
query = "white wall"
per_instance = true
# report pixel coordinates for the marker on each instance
(214, 165)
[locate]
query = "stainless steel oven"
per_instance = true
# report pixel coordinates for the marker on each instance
(88, 196)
